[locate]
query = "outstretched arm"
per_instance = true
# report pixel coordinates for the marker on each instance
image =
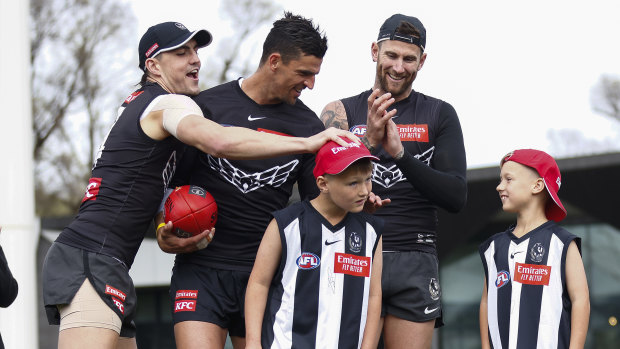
(181, 117)
(265, 266)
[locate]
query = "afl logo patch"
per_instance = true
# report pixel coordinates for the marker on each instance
(358, 130)
(308, 261)
(537, 252)
(503, 277)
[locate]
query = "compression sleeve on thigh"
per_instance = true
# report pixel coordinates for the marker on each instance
(175, 108)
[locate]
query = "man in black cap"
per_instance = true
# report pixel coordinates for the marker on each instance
(87, 289)
(422, 166)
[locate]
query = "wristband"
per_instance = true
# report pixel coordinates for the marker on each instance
(159, 226)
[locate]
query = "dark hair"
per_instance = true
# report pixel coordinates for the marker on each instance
(145, 75)
(360, 165)
(406, 28)
(292, 36)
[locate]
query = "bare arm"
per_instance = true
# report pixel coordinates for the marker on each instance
(577, 286)
(180, 116)
(373, 318)
(265, 266)
(243, 143)
(334, 115)
(484, 319)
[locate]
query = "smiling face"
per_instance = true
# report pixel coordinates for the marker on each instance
(177, 70)
(291, 78)
(398, 64)
(518, 183)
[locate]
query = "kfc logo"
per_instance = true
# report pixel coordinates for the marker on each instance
(119, 305)
(184, 306)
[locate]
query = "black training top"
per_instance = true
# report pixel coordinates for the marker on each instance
(128, 181)
(431, 174)
(247, 191)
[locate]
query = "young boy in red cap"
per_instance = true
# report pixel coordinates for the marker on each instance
(316, 282)
(535, 292)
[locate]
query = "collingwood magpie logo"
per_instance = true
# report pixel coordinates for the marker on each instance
(247, 182)
(388, 176)
(355, 242)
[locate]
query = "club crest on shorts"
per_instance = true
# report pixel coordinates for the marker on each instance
(307, 261)
(355, 242)
(503, 278)
(537, 252)
(434, 289)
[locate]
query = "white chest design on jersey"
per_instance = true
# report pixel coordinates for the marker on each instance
(247, 182)
(388, 176)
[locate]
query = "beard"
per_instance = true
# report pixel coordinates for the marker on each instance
(401, 88)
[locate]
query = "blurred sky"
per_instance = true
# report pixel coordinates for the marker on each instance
(514, 70)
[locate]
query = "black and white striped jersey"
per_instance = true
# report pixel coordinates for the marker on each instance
(319, 295)
(528, 304)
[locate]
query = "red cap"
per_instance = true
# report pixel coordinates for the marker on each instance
(333, 158)
(548, 169)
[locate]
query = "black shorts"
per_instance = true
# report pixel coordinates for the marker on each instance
(64, 271)
(200, 293)
(410, 286)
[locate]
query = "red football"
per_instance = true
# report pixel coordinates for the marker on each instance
(191, 209)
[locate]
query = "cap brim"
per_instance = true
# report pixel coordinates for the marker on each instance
(555, 210)
(203, 38)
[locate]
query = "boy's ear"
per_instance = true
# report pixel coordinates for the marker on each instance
(321, 183)
(538, 186)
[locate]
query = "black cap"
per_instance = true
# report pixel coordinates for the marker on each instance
(388, 30)
(168, 36)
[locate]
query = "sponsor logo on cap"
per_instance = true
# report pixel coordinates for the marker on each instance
(532, 274)
(308, 261)
(180, 26)
(149, 51)
(185, 305)
(503, 278)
